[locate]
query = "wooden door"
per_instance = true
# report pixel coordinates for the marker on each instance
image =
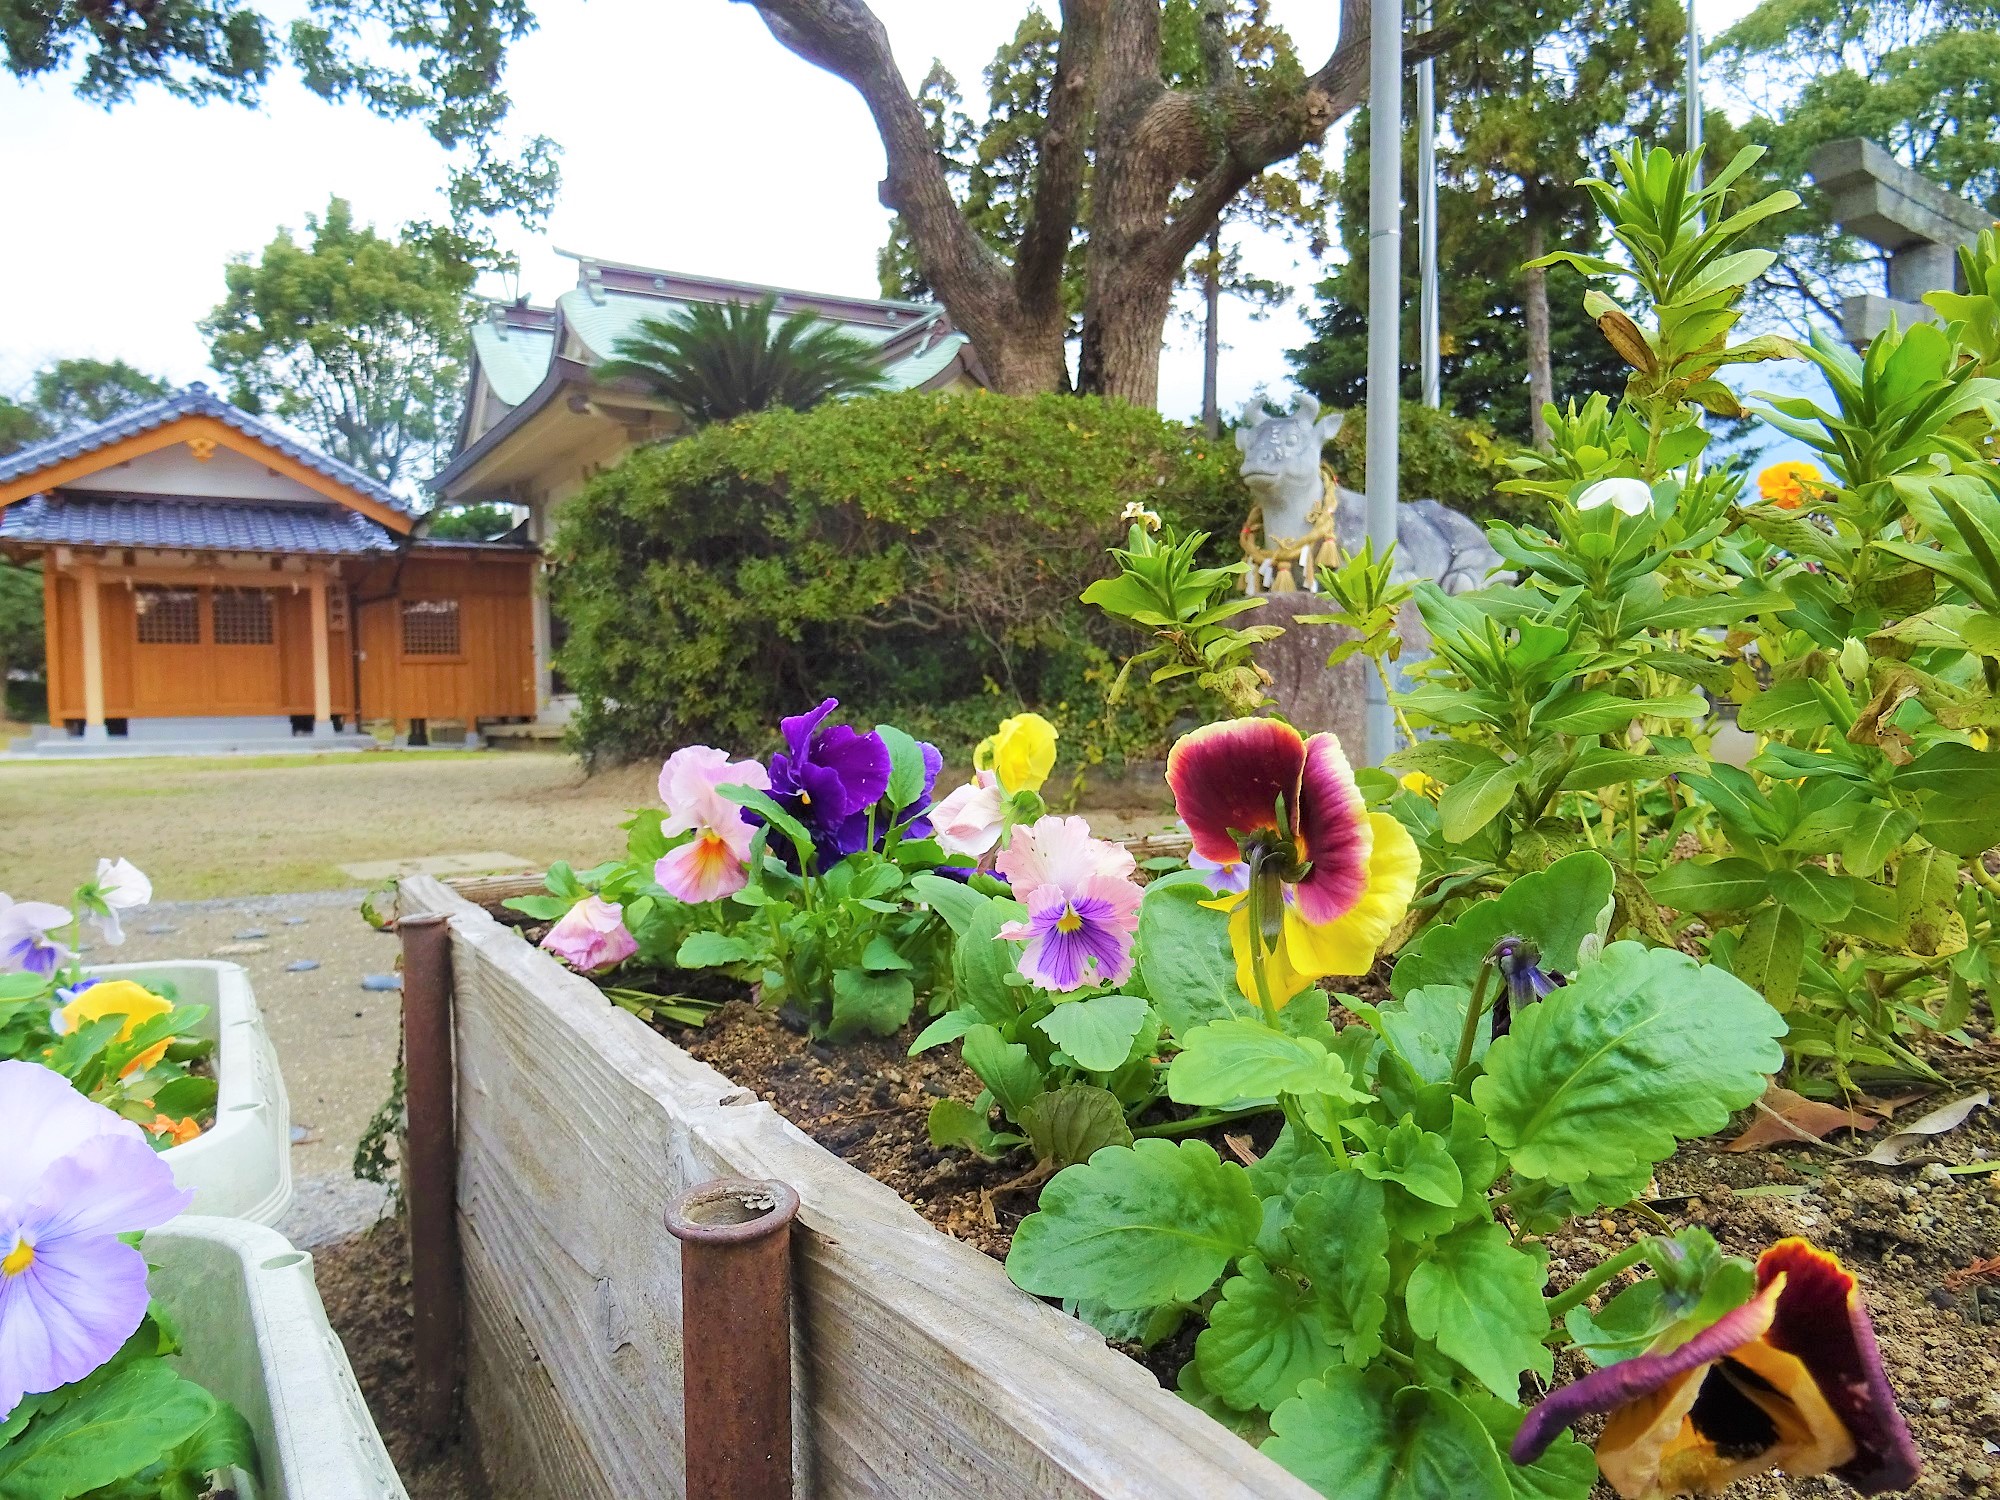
(206, 651)
(248, 672)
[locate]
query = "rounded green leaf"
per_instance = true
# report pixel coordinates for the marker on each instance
(1263, 1340)
(1479, 1299)
(1073, 1124)
(1227, 1061)
(1354, 1435)
(1184, 955)
(1340, 1239)
(1096, 1033)
(1136, 1227)
(1642, 1048)
(1418, 1161)
(1556, 908)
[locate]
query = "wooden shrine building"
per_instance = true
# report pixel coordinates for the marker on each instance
(210, 579)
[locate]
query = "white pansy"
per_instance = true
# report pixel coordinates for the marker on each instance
(1630, 496)
(120, 886)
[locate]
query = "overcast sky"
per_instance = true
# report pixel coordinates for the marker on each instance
(691, 141)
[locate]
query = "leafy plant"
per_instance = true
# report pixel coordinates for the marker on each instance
(1368, 1313)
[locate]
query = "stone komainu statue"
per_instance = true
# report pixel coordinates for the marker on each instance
(1302, 518)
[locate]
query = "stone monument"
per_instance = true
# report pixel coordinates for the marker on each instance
(1903, 212)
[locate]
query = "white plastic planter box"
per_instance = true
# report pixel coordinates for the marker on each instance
(254, 1334)
(241, 1166)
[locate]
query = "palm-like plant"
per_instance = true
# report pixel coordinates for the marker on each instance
(719, 360)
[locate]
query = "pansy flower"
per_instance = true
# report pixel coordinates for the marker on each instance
(1022, 752)
(829, 777)
(120, 886)
(969, 820)
(115, 997)
(591, 936)
(1083, 905)
(24, 935)
(1329, 878)
(1788, 485)
(1791, 1380)
(1526, 981)
(712, 864)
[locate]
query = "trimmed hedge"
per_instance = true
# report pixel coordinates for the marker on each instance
(918, 556)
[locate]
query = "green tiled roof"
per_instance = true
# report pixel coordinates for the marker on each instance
(602, 324)
(912, 371)
(514, 359)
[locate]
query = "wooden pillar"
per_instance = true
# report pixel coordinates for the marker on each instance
(93, 652)
(321, 658)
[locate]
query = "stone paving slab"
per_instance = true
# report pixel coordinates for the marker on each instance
(485, 862)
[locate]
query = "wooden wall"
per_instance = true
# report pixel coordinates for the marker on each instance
(492, 677)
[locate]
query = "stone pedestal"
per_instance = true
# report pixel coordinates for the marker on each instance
(1311, 696)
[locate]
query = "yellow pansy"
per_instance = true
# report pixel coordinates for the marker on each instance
(1021, 752)
(119, 997)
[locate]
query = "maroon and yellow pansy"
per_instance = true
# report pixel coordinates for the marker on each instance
(1333, 877)
(1791, 1380)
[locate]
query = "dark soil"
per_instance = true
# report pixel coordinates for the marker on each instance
(365, 1284)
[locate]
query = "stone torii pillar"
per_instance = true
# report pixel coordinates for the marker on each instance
(1903, 212)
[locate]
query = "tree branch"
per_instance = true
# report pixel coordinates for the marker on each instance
(1038, 263)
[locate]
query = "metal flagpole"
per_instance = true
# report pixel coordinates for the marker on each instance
(1694, 92)
(1427, 222)
(1385, 268)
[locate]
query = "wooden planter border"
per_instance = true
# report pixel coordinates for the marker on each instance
(920, 1370)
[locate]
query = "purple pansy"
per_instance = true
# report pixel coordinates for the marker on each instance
(73, 1178)
(24, 941)
(1520, 964)
(828, 777)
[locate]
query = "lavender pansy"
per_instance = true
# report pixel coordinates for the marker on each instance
(1083, 905)
(73, 1178)
(24, 940)
(1520, 964)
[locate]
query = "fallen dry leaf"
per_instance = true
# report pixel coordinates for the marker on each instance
(1887, 1108)
(1784, 1117)
(1240, 1148)
(1985, 1269)
(1946, 1117)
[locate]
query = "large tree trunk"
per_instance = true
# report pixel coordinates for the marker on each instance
(1535, 304)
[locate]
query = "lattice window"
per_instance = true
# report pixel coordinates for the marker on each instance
(242, 617)
(168, 617)
(430, 627)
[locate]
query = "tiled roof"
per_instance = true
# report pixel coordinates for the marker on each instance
(195, 525)
(196, 400)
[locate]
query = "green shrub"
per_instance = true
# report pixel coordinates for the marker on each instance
(1442, 457)
(918, 556)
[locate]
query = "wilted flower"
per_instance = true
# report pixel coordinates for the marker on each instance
(1788, 485)
(1520, 964)
(174, 1132)
(1083, 905)
(710, 865)
(1790, 1380)
(120, 886)
(1022, 752)
(115, 997)
(24, 929)
(1329, 877)
(1134, 511)
(1630, 496)
(591, 936)
(829, 777)
(73, 1178)
(969, 820)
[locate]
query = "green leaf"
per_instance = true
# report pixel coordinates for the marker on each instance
(1136, 1228)
(1096, 1033)
(1556, 909)
(1967, 825)
(1771, 954)
(1954, 769)
(1354, 1435)
(1417, 1161)
(1565, 1472)
(948, 1027)
(224, 1441)
(708, 950)
(881, 954)
(1185, 959)
(1641, 1048)
(1228, 1061)
(1074, 1123)
(1005, 1067)
(1469, 804)
(875, 1003)
(1816, 895)
(541, 908)
(1708, 885)
(762, 803)
(1876, 833)
(953, 1122)
(1341, 1241)
(108, 1433)
(1479, 1299)
(1424, 1028)
(982, 960)
(955, 901)
(906, 766)
(181, 1097)
(1264, 1339)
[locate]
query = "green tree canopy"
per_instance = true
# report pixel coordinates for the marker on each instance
(721, 360)
(357, 339)
(71, 394)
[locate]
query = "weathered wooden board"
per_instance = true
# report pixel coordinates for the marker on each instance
(921, 1370)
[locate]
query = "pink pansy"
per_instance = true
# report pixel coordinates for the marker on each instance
(711, 865)
(591, 936)
(1083, 905)
(74, 1177)
(970, 819)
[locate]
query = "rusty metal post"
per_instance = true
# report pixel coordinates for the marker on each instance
(430, 1172)
(736, 1337)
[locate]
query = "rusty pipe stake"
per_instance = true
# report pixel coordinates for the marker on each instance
(736, 1337)
(430, 1172)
